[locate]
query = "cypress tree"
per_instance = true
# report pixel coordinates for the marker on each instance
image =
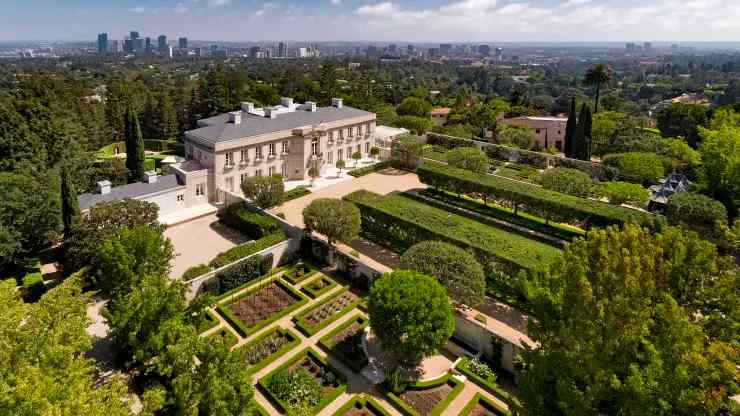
(570, 128)
(70, 204)
(134, 146)
(582, 140)
(587, 129)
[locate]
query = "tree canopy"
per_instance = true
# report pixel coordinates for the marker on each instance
(334, 218)
(264, 191)
(469, 158)
(568, 181)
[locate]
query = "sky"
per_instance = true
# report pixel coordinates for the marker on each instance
(376, 20)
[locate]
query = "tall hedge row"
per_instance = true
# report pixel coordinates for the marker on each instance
(534, 199)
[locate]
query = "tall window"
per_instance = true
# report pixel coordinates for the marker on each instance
(271, 170)
(341, 134)
(200, 189)
(229, 159)
(272, 149)
(243, 177)
(244, 156)
(331, 135)
(367, 147)
(258, 172)
(350, 132)
(330, 157)
(315, 146)
(349, 151)
(285, 147)
(359, 130)
(258, 152)
(340, 154)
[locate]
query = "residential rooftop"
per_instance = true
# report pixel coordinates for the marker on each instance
(133, 190)
(252, 121)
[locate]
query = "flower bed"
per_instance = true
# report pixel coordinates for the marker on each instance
(345, 342)
(483, 379)
(479, 405)
(401, 222)
(361, 405)
(261, 306)
(318, 286)
(306, 382)
(224, 334)
(268, 347)
(428, 398)
(326, 312)
(298, 273)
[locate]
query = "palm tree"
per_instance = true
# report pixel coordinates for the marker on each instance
(597, 76)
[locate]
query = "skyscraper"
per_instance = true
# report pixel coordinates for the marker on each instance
(445, 48)
(183, 43)
(148, 47)
(103, 43)
(647, 47)
(162, 44)
(484, 50)
(282, 50)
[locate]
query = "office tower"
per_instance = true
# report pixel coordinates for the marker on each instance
(103, 43)
(115, 47)
(128, 46)
(392, 49)
(647, 47)
(410, 49)
(162, 44)
(445, 48)
(282, 50)
(134, 35)
(629, 47)
(484, 50)
(183, 43)
(148, 47)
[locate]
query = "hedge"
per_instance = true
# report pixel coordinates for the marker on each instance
(328, 398)
(449, 142)
(295, 193)
(534, 199)
(255, 225)
(229, 339)
(247, 249)
(299, 272)
(196, 271)
(491, 387)
(400, 222)
(330, 283)
(209, 321)
(523, 219)
(294, 341)
(33, 286)
(370, 169)
(406, 409)
(355, 363)
(362, 401)
(239, 274)
(479, 398)
(256, 410)
(309, 330)
(245, 330)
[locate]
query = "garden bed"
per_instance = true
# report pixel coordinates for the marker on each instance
(428, 398)
(305, 382)
(261, 306)
(361, 405)
(268, 347)
(318, 286)
(224, 334)
(479, 405)
(483, 379)
(299, 272)
(326, 312)
(345, 342)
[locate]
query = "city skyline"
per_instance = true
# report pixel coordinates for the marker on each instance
(380, 20)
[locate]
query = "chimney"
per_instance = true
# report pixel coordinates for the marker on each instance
(150, 176)
(235, 117)
(270, 112)
(286, 102)
(104, 187)
(247, 107)
(310, 106)
(336, 102)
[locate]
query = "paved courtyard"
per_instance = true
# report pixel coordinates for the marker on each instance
(199, 241)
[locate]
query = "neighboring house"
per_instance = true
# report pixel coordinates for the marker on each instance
(686, 98)
(548, 131)
(661, 193)
(439, 116)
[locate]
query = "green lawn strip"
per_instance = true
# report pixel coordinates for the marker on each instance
(328, 398)
(245, 330)
(209, 321)
(362, 401)
(295, 193)
(299, 272)
(489, 385)
(252, 282)
(405, 408)
(355, 363)
(229, 338)
(409, 222)
(495, 211)
(435, 155)
(309, 330)
(485, 402)
(256, 410)
(329, 284)
(294, 341)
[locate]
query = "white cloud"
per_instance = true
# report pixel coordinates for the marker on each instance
(218, 3)
(385, 9)
(336, 2)
(137, 9)
(264, 9)
(181, 8)
(571, 3)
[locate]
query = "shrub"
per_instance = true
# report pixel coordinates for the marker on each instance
(265, 191)
(638, 167)
(296, 193)
(33, 287)
(297, 388)
(244, 250)
(196, 271)
(695, 210)
(449, 142)
(469, 158)
(253, 224)
(370, 169)
(481, 369)
(239, 274)
(334, 218)
(568, 181)
(625, 192)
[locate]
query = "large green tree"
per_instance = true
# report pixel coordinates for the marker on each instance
(457, 270)
(411, 314)
(720, 170)
(568, 181)
(70, 204)
(629, 322)
(598, 76)
(264, 191)
(413, 106)
(570, 129)
(334, 218)
(683, 120)
(134, 142)
(408, 150)
(469, 158)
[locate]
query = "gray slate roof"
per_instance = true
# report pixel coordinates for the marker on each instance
(218, 129)
(132, 190)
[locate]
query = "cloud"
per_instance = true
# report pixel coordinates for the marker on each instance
(385, 9)
(571, 3)
(218, 3)
(336, 2)
(137, 9)
(264, 9)
(181, 8)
